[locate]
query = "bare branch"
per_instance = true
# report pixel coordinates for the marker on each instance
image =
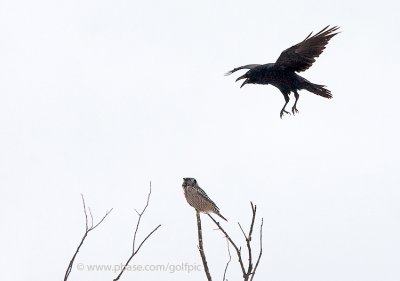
(144, 240)
(250, 266)
(238, 251)
(201, 248)
(84, 210)
(91, 217)
(249, 273)
(241, 228)
(139, 219)
(248, 238)
(133, 254)
(227, 264)
(135, 251)
(254, 210)
(97, 224)
(261, 249)
(87, 230)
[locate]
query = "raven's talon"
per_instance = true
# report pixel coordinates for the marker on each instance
(283, 113)
(294, 110)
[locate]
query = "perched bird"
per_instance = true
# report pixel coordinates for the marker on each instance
(281, 74)
(198, 199)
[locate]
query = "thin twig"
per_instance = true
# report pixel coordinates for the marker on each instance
(237, 249)
(250, 272)
(133, 254)
(254, 210)
(91, 217)
(135, 251)
(201, 248)
(87, 230)
(241, 228)
(261, 249)
(248, 238)
(84, 210)
(140, 218)
(144, 240)
(227, 264)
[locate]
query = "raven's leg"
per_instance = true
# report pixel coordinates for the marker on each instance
(283, 111)
(294, 109)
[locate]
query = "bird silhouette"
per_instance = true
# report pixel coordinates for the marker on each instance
(282, 73)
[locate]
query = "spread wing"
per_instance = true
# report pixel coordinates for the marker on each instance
(249, 66)
(302, 55)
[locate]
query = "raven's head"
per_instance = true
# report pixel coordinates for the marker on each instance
(246, 77)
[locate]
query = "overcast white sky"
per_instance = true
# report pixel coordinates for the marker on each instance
(100, 97)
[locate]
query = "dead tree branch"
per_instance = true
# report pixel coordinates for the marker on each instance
(237, 249)
(134, 249)
(248, 274)
(201, 248)
(89, 227)
(227, 264)
(261, 249)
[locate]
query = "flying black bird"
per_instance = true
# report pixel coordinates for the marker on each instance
(281, 74)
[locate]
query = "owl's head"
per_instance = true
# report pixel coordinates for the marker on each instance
(189, 182)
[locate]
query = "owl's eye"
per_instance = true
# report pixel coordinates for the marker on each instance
(194, 181)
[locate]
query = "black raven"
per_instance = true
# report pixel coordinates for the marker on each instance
(281, 74)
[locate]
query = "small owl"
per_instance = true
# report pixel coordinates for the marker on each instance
(198, 199)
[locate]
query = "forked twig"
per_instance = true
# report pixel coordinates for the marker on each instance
(248, 274)
(237, 249)
(227, 264)
(261, 249)
(88, 228)
(134, 249)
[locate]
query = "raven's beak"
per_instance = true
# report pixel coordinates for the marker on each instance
(244, 83)
(241, 77)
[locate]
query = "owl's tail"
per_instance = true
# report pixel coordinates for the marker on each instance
(221, 216)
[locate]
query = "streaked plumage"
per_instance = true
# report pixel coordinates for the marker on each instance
(281, 74)
(198, 198)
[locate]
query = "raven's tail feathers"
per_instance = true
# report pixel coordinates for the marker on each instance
(319, 90)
